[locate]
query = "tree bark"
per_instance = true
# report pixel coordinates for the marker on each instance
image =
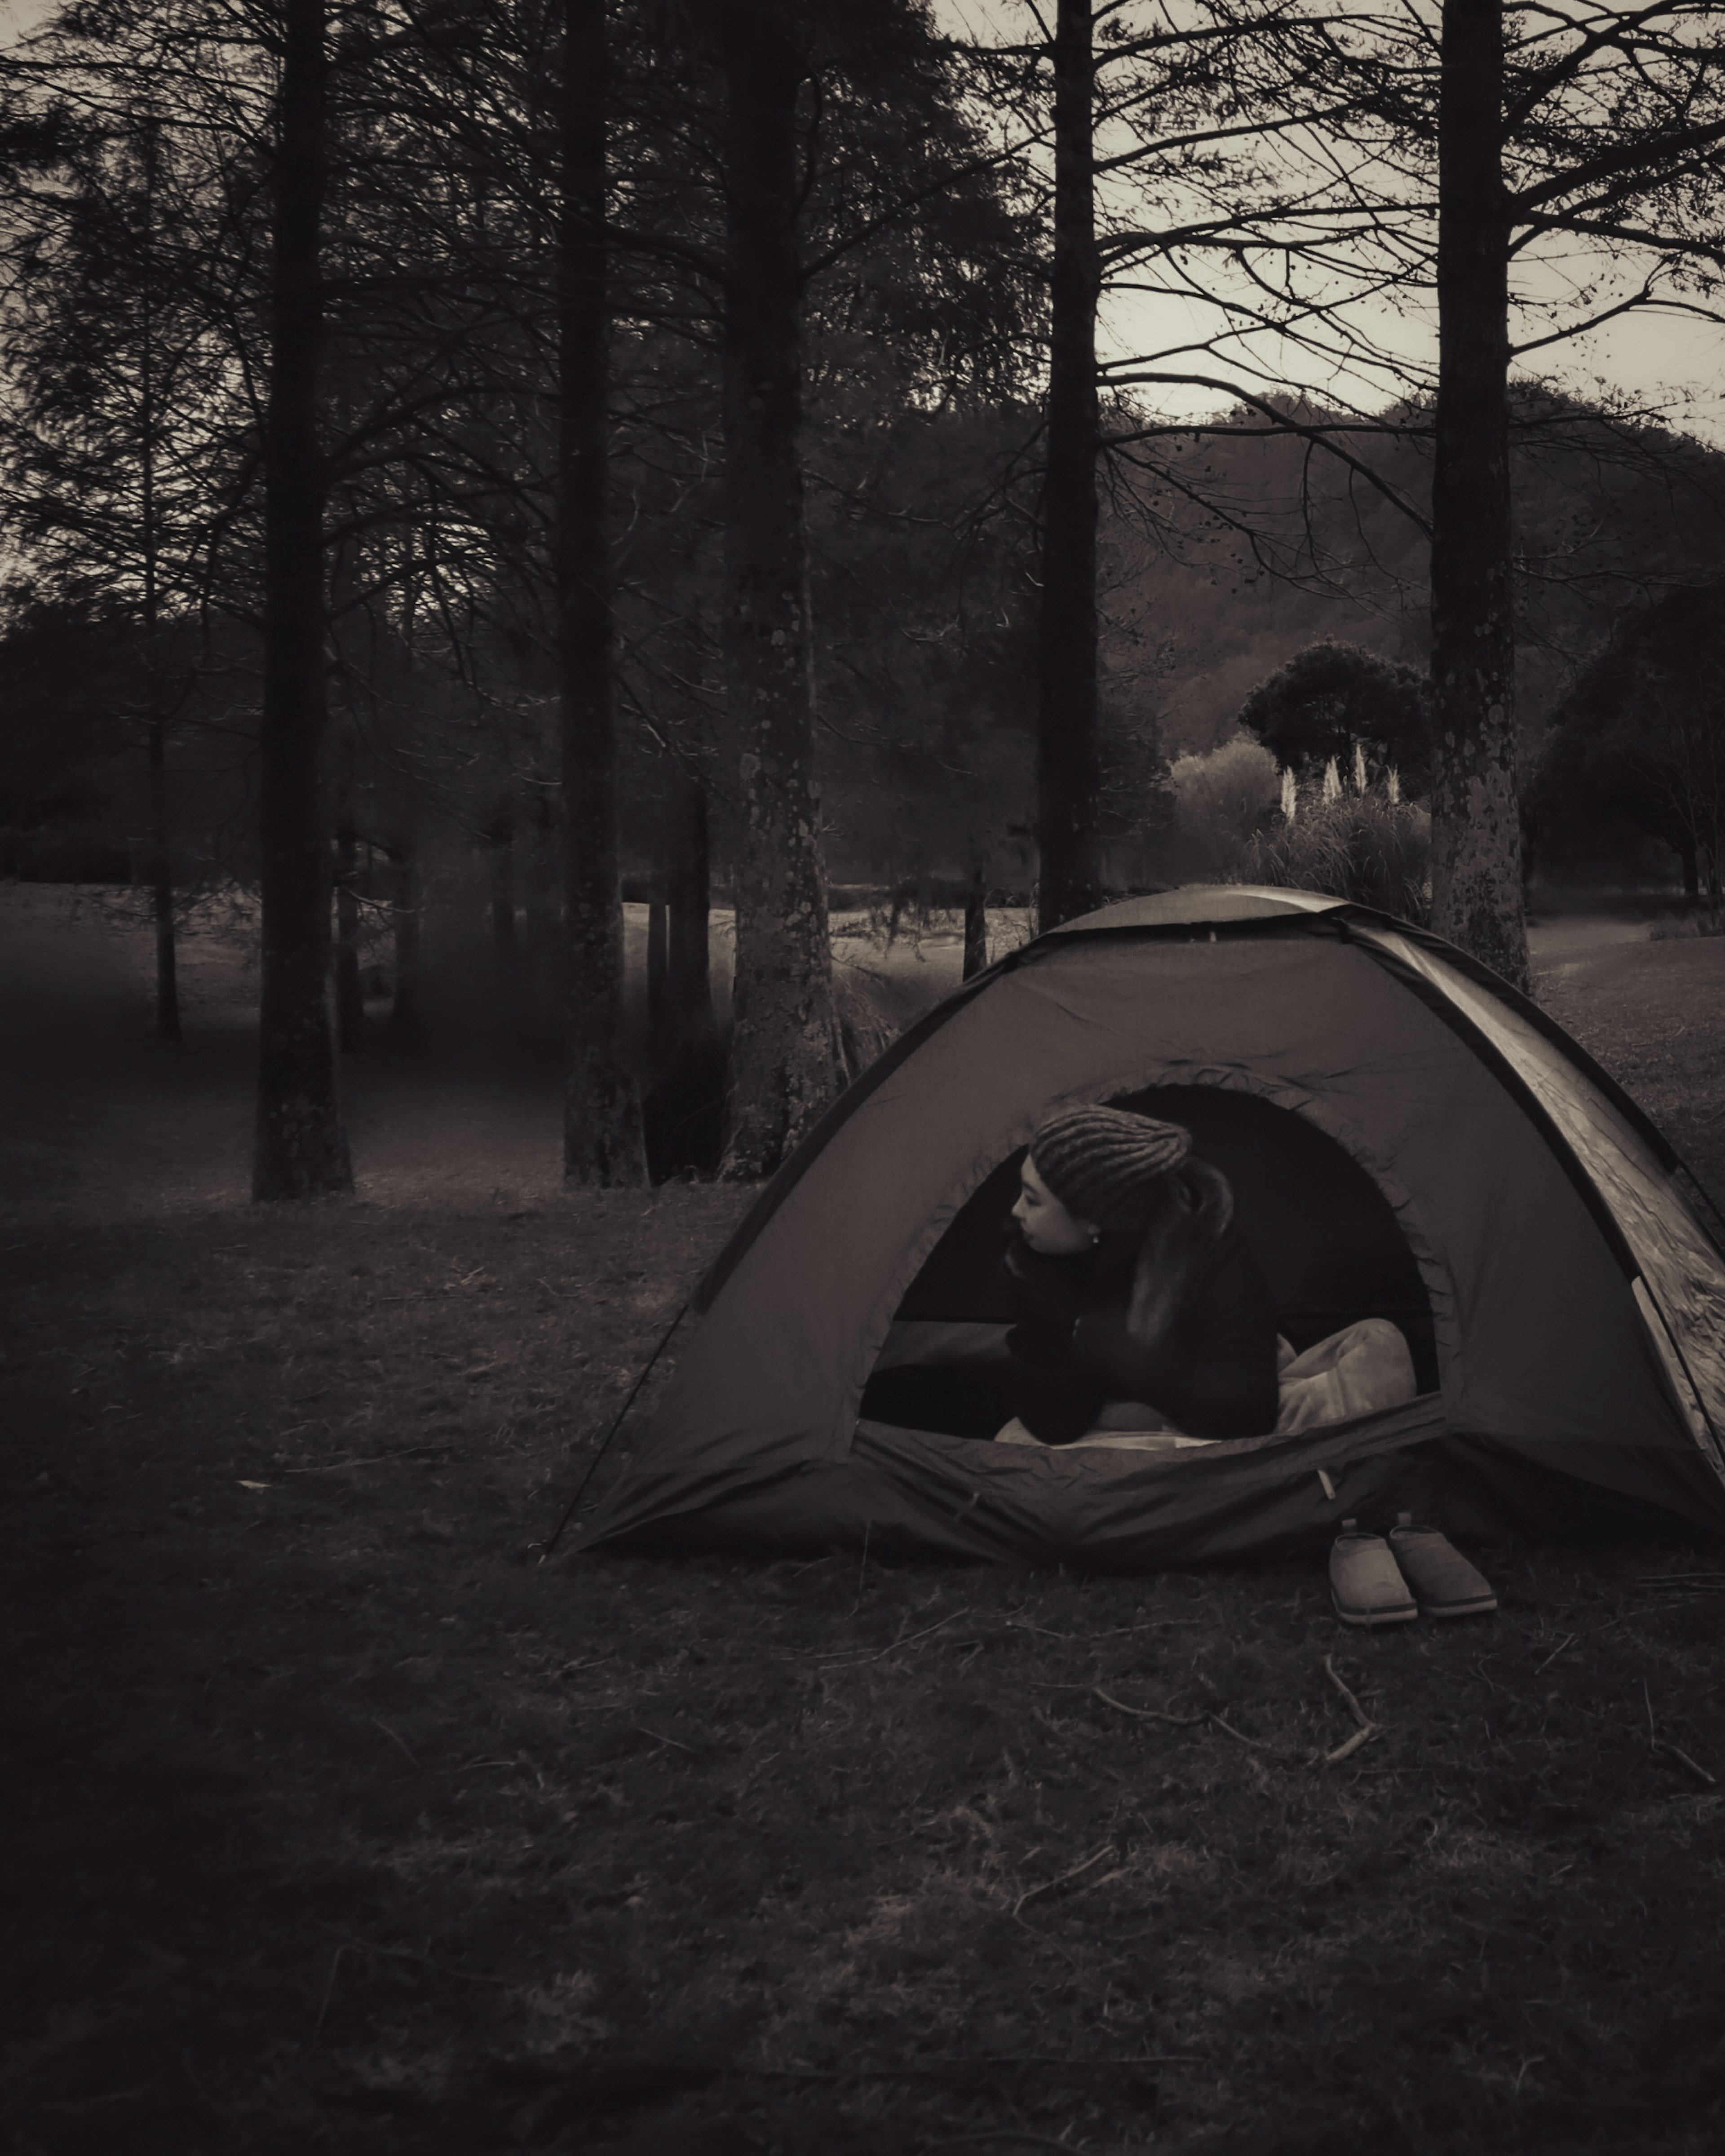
(161, 885)
(541, 899)
(350, 989)
(1476, 897)
(161, 875)
(658, 924)
(602, 1142)
(1068, 737)
(688, 890)
(301, 1149)
(785, 1049)
(502, 867)
(406, 1006)
(976, 926)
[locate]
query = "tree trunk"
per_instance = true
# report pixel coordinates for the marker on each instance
(976, 926)
(541, 918)
(657, 936)
(502, 866)
(161, 886)
(1068, 740)
(1690, 857)
(301, 1148)
(1475, 827)
(785, 1048)
(603, 1142)
(350, 989)
(406, 1007)
(688, 890)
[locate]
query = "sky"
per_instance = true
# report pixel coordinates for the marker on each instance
(1666, 362)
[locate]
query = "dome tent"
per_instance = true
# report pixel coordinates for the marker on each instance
(1407, 1136)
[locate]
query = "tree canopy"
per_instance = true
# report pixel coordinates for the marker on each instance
(1640, 737)
(1330, 699)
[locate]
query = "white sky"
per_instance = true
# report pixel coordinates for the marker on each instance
(1669, 361)
(18, 15)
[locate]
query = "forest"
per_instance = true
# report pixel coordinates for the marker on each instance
(470, 469)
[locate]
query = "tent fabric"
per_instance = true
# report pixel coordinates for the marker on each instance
(1408, 1138)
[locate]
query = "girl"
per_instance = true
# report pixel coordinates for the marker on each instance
(1131, 1284)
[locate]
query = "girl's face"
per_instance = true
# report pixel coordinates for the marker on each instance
(1046, 1225)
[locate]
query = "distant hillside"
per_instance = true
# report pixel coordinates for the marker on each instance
(1607, 513)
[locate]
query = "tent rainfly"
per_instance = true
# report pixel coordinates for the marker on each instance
(1407, 1136)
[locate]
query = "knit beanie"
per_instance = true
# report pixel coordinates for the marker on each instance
(1105, 1164)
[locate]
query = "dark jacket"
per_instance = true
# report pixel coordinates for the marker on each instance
(1212, 1372)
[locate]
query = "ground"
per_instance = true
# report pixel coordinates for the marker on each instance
(335, 1819)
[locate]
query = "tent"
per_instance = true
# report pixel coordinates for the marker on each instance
(1407, 1136)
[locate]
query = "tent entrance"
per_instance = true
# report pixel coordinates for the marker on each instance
(1326, 1239)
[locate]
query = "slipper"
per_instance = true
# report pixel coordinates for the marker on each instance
(1445, 1583)
(1366, 1588)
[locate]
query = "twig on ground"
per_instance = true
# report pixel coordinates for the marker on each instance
(850, 1654)
(369, 1458)
(862, 1570)
(1048, 1939)
(942, 2069)
(1701, 1774)
(443, 1968)
(329, 1988)
(755, 1773)
(1355, 1708)
(1568, 1641)
(1144, 1713)
(1657, 1743)
(1048, 1886)
(399, 1741)
(1190, 1722)
(1240, 1737)
(642, 1729)
(1008, 2133)
(1345, 1750)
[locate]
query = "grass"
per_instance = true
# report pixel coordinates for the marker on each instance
(337, 1821)
(1688, 924)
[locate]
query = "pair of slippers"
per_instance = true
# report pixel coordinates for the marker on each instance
(1412, 1572)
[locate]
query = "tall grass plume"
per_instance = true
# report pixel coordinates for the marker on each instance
(1368, 846)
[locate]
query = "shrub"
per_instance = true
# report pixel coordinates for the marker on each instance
(1219, 800)
(1688, 924)
(1362, 846)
